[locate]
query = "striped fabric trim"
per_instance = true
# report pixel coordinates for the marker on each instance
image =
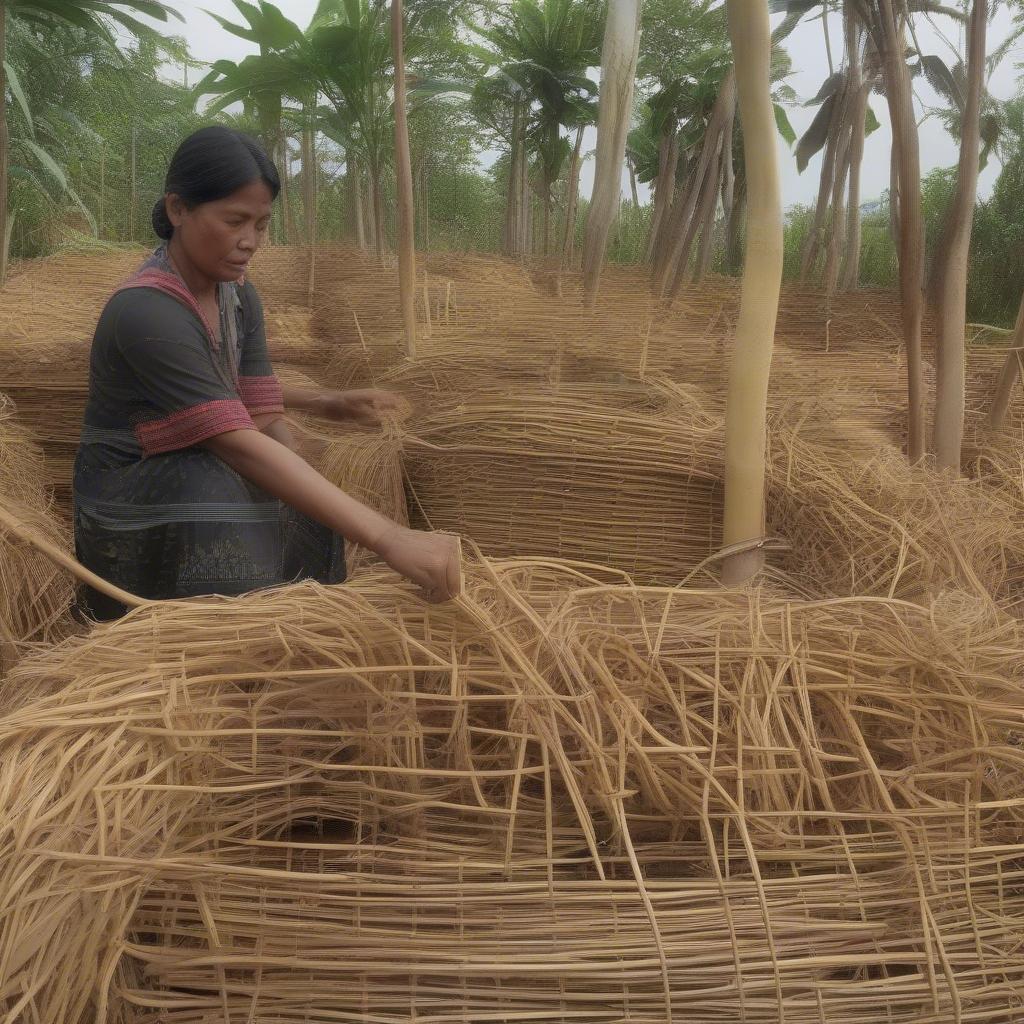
(124, 516)
(188, 427)
(261, 394)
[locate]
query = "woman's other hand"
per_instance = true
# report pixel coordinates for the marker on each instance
(369, 407)
(431, 560)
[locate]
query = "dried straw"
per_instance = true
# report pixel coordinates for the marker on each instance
(34, 596)
(563, 798)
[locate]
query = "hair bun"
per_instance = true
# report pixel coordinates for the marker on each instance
(161, 222)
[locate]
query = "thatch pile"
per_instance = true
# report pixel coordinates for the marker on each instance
(626, 474)
(559, 799)
(34, 596)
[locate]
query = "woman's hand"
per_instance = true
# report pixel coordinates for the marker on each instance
(369, 407)
(431, 560)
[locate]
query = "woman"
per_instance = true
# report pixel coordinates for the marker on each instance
(186, 481)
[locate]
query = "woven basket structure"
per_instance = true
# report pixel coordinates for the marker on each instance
(563, 797)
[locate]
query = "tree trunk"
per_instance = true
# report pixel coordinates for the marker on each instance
(5, 155)
(951, 352)
(357, 224)
(424, 202)
(1009, 375)
(707, 205)
(286, 211)
(525, 206)
(102, 222)
(849, 278)
(747, 402)
(403, 175)
(706, 249)
(676, 229)
(664, 187)
(734, 229)
(894, 196)
(309, 202)
(728, 176)
(826, 188)
(133, 194)
(632, 185)
(615, 107)
(572, 202)
(546, 213)
(376, 210)
(899, 95)
(514, 193)
(837, 225)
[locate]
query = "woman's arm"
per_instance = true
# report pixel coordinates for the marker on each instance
(428, 559)
(274, 425)
(367, 406)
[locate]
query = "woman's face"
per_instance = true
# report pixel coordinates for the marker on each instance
(220, 237)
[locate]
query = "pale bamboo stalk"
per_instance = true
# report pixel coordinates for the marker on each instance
(746, 406)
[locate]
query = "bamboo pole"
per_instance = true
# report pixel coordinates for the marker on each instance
(746, 406)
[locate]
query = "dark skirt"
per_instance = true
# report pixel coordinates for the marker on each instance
(185, 524)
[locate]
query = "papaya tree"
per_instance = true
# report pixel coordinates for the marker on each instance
(750, 366)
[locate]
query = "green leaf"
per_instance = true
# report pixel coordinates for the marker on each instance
(19, 94)
(816, 136)
(942, 80)
(829, 87)
(48, 163)
(236, 30)
(871, 123)
(85, 209)
(783, 125)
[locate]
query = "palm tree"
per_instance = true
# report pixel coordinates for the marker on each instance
(95, 17)
(747, 400)
(542, 49)
(351, 47)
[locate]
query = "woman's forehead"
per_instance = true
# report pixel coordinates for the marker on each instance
(254, 197)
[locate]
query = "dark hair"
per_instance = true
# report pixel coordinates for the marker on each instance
(211, 164)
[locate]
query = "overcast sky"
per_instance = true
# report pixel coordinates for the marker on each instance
(208, 42)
